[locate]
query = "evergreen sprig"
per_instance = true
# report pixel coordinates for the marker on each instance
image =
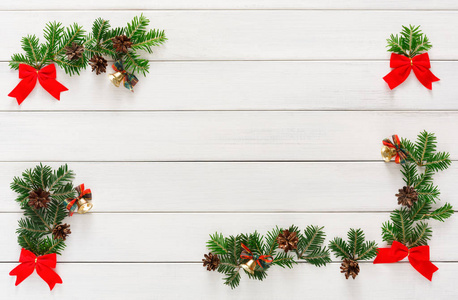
(355, 248)
(99, 42)
(410, 42)
(38, 223)
(407, 225)
(57, 38)
(228, 250)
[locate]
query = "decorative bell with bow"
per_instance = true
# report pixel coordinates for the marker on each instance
(122, 75)
(392, 149)
(81, 203)
(263, 261)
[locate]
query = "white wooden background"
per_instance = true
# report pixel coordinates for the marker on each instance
(256, 113)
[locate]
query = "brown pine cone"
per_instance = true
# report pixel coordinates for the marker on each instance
(350, 268)
(407, 196)
(121, 43)
(99, 64)
(39, 198)
(61, 231)
(287, 240)
(74, 51)
(211, 261)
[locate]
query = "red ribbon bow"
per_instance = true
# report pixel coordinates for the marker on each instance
(29, 75)
(82, 193)
(43, 264)
(263, 260)
(418, 258)
(403, 65)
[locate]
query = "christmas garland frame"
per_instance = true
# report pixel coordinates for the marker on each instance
(72, 50)
(46, 196)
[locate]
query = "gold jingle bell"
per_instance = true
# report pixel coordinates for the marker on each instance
(249, 266)
(388, 153)
(83, 206)
(116, 78)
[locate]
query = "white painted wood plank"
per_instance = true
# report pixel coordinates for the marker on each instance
(192, 281)
(141, 237)
(210, 136)
(236, 187)
(224, 4)
(246, 85)
(258, 35)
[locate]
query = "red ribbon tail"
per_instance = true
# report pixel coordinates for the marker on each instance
(52, 86)
(23, 89)
(397, 76)
(48, 275)
(425, 76)
(22, 271)
(424, 267)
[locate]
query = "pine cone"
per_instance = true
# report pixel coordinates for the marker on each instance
(407, 196)
(287, 240)
(99, 64)
(350, 268)
(74, 51)
(61, 231)
(121, 43)
(211, 261)
(39, 198)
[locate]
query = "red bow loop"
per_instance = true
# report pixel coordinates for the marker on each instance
(402, 66)
(418, 258)
(43, 264)
(422, 60)
(29, 75)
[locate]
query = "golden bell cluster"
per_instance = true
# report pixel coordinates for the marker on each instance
(83, 206)
(388, 153)
(249, 266)
(116, 78)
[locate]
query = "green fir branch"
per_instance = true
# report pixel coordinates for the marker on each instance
(35, 229)
(356, 248)
(410, 42)
(228, 249)
(407, 225)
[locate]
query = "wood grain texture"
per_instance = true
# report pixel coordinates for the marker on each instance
(236, 187)
(146, 237)
(258, 35)
(161, 281)
(233, 4)
(213, 136)
(248, 85)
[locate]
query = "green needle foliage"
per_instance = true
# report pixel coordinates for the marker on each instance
(352, 251)
(228, 250)
(38, 223)
(356, 248)
(408, 224)
(410, 42)
(57, 38)
(99, 42)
